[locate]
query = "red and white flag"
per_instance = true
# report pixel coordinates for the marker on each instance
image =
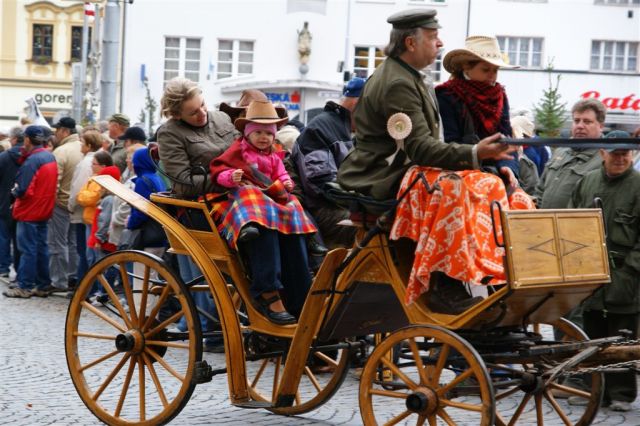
(89, 9)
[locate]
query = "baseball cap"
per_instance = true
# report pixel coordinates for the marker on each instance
(134, 133)
(353, 88)
(66, 123)
(617, 134)
(37, 134)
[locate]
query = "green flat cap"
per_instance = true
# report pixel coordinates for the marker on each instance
(414, 18)
(120, 119)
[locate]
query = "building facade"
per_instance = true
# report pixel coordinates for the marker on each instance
(40, 41)
(231, 45)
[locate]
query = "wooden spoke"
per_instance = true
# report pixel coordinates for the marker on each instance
(256, 379)
(569, 389)
(394, 368)
(312, 378)
(168, 344)
(156, 382)
(102, 316)
(507, 393)
(126, 285)
(156, 308)
(143, 392)
(421, 420)
(115, 300)
(110, 377)
(539, 413)
(145, 295)
(326, 358)
(520, 409)
(445, 416)
(442, 359)
(173, 318)
(298, 397)
(94, 335)
(388, 393)
(549, 397)
(125, 386)
(276, 375)
(398, 418)
(455, 382)
(462, 405)
(416, 357)
(433, 421)
(99, 360)
(162, 362)
(499, 420)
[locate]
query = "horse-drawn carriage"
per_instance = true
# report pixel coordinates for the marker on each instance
(489, 365)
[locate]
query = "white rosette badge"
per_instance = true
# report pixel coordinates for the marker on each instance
(399, 127)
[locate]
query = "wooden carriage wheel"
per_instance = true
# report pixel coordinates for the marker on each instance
(321, 378)
(425, 383)
(536, 403)
(127, 367)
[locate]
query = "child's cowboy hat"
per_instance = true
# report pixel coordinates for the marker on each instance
(476, 48)
(260, 112)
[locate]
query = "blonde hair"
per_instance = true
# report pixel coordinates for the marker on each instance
(177, 91)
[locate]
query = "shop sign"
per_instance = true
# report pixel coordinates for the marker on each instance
(629, 102)
(289, 100)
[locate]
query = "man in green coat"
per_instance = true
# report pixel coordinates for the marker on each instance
(615, 306)
(398, 85)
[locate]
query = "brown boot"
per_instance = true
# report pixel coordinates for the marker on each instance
(448, 296)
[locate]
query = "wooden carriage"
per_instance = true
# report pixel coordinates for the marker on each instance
(423, 366)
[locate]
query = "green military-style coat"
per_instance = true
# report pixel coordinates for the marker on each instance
(620, 197)
(371, 167)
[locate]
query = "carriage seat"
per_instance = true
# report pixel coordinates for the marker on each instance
(364, 210)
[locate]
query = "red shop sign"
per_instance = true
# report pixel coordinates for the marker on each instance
(628, 102)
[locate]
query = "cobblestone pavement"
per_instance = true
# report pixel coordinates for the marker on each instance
(35, 387)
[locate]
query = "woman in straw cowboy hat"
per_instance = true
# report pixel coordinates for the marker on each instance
(473, 105)
(260, 215)
(454, 219)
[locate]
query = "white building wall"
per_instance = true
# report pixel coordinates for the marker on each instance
(567, 26)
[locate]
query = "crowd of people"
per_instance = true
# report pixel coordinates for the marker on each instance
(275, 173)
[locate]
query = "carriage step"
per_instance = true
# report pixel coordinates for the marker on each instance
(253, 404)
(203, 373)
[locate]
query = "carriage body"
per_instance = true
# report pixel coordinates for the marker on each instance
(554, 259)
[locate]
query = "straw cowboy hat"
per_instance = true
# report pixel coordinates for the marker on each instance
(476, 48)
(246, 98)
(260, 112)
(521, 127)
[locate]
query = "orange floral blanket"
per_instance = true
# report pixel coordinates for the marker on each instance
(452, 226)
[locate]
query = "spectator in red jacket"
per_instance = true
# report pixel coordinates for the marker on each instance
(35, 193)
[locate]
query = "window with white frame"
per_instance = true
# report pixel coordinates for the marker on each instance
(523, 51)
(182, 58)
(42, 43)
(235, 58)
(614, 55)
(366, 59)
(619, 2)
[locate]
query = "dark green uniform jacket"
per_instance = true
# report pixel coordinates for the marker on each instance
(621, 208)
(371, 167)
(561, 175)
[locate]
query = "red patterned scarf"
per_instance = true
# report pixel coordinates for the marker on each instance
(484, 102)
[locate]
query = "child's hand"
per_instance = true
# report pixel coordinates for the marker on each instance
(288, 185)
(236, 176)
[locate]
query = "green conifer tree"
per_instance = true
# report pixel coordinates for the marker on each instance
(550, 112)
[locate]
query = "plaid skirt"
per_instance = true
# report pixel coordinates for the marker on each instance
(452, 226)
(272, 208)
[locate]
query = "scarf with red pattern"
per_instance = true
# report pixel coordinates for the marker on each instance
(484, 102)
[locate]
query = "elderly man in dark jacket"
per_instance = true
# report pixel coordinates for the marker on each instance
(615, 306)
(9, 166)
(316, 156)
